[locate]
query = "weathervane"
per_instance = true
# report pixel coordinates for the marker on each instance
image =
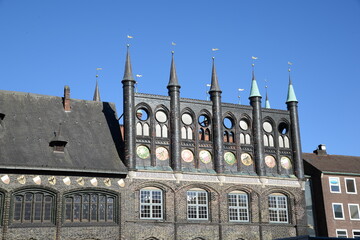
(239, 91)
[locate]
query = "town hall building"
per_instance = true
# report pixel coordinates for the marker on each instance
(176, 168)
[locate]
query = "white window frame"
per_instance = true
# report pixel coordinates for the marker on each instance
(355, 230)
(357, 205)
(197, 205)
(353, 179)
(151, 205)
(335, 185)
(278, 209)
(337, 235)
(239, 196)
(342, 210)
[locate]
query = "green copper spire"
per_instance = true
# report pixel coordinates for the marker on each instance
(291, 97)
(128, 75)
(267, 102)
(254, 91)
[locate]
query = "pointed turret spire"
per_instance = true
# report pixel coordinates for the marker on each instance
(267, 102)
(291, 97)
(173, 81)
(254, 91)
(128, 75)
(97, 92)
(214, 79)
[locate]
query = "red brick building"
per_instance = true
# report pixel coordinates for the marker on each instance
(335, 181)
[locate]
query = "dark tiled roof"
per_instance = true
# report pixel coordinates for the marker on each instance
(91, 131)
(333, 163)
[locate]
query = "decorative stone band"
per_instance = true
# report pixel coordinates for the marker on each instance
(267, 181)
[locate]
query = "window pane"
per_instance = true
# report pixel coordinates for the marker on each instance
(338, 211)
(356, 234)
(350, 186)
(334, 184)
(85, 208)
(341, 233)
(68, 204)
(94, 207)
(354, 211)
(110, 209)
(17, 208)
(102, 208)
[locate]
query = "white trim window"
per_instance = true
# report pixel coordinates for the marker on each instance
(278, 208)
(334, 183)
(197, 204)
(341, 233)
(350, 185)
(354, 211)
(238, 206)
(356, 233)
(338, 211)
(151, 203)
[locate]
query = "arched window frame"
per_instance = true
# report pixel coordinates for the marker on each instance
(154, 208)
(162, 128)
(284, 139)
(197, 204)
(238, 206)
(269, 140)
(140, 124)
(90, 200)
(187, 131)
(35, 206)
(245, 135)
(229, 133)
(204, 131)
(278, 207)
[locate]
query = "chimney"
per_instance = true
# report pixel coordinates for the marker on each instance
(66, 99)
(321, 150)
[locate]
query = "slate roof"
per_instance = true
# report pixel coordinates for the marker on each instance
(333, 163)
(91, 130)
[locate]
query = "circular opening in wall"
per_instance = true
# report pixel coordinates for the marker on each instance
(161, 116)
(204, 120)
(142, 114)
(186, 119)
(244, 124)
(228, 123)
(267, 127)
(283, 128)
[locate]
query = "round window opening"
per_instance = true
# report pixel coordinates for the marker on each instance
(283, 128)
(267, 127)
(228, 123)
(186, 119)
(161, 116)
(244, 124)
(204, 120)
(142, 114)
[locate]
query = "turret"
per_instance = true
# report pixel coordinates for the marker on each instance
(174, 93)
(129, 114)
(255, 102)
(217, 127)
(292, 107)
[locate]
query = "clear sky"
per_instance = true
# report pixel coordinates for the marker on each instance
(46, 44)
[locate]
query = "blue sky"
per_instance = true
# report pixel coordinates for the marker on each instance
(46, 44)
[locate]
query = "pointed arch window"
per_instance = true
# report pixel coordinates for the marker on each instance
(268, 134)
(161, 128)
(228, 123)
(284, 141)
(245, 137)
(204, 127)
(142, 126)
